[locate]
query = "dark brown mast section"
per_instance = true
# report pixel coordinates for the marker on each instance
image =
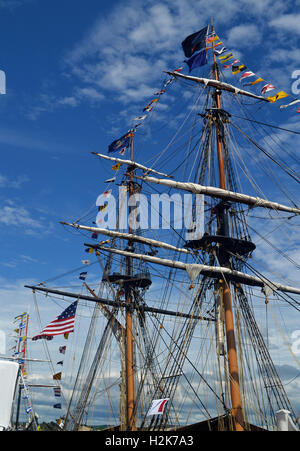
(236, 400)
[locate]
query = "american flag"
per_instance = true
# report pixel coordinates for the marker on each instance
(63, 324)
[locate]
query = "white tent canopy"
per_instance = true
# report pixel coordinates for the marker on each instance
(8, 382)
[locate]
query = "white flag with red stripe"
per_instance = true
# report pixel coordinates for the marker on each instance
(267, 87)
(157, 406)
(247, 74)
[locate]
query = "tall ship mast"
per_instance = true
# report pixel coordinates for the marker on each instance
(179, 346)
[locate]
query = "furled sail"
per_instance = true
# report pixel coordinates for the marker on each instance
(129, 236)
(222, 194)
(211, 271)
(130, 163)
(217, 84)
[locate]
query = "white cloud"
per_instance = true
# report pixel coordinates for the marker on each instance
(68, 101)
(133, 45)
(47, 102)
(15, 261)
(90, 94)
(17, 216)
(287, 22)
(125, 52)
(136, 94)
(5, 182)
(246, 35)
(121, 54)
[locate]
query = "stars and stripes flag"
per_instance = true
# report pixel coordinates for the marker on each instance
(63, 324)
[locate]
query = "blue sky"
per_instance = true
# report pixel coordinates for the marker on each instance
(75, 81)
(77, 74)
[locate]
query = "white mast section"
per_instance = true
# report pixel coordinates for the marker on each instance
(217, 84)
(130, 163)
(222, 194)
(210, 271)
(129, 236)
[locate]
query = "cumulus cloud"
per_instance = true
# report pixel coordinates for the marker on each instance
(125, 53)
(17, 216)
(247, 35)
(287, 22)
(69, 101)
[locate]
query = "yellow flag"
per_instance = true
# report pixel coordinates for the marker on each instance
(216, 45)
(257, 81)
(102, 207)
(104, 242)
(212, 39)
(227, 59)
(224, 56)
(238, 69)
(116, 167)
(279, 95)
(20, 316)
(57, 376)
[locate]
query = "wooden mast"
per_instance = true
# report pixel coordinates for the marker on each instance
(131, 399)
(235, 390)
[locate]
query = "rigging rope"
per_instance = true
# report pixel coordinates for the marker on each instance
(263, 123)
(288, 170)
